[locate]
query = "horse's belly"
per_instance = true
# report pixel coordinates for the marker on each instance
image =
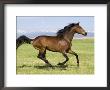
(52, 47)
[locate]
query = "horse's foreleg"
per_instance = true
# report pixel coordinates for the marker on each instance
(65, 55)
(41, 55)
(72, 52)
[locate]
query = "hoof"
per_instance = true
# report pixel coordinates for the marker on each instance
(60, 64)
(49, 65)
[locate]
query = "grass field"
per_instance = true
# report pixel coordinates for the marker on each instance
(28, 63)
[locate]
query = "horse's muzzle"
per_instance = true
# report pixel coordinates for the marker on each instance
(85, 34)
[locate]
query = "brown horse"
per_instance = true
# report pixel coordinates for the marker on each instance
(59, 43)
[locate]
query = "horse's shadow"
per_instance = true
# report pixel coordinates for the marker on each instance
(23, 66)
(62, 67)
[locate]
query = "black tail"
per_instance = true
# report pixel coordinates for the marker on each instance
(22, 39)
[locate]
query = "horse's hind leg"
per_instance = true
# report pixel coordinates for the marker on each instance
(41, 55)
(65, 55)
(72, 52)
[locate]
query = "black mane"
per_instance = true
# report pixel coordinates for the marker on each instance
(61, 32)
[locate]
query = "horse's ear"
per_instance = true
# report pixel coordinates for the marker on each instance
(78, 23)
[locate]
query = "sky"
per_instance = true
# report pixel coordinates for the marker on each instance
(29, 24)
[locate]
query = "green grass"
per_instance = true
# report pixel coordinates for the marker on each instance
(28, 63)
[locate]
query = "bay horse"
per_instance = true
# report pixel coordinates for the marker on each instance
(60, 43)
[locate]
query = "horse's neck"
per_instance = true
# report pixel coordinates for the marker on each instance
(69, 36)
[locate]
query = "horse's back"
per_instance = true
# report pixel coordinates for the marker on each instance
(43, 41)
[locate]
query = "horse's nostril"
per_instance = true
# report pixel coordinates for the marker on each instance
(85, 33)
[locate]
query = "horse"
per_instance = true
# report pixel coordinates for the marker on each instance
(61, 42)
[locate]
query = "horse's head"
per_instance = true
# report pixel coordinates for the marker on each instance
(78, 29)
